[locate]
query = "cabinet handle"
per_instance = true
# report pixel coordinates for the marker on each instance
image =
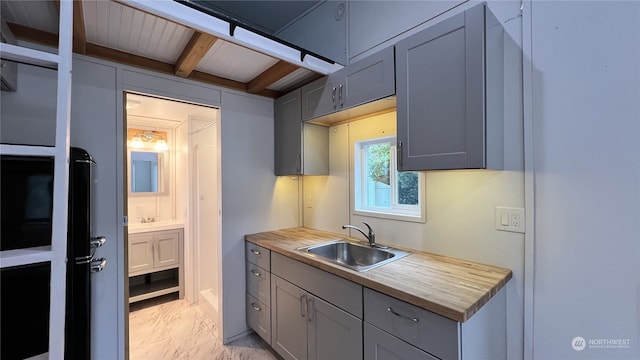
(399, 150)
(298, 162)
(256, 307)
(389, 309)
(310, 309)
(340, 96)
(255, 273)
(255, 252)
(333, 97)
(303, 305)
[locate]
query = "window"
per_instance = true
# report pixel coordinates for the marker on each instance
(382, 191)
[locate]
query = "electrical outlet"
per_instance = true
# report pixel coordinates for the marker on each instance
(510, 219)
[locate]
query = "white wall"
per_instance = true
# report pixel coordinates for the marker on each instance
(93, 113)
(19, 111)
(253, 198)
(586, 161)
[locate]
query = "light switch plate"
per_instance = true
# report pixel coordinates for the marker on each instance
(510, 219)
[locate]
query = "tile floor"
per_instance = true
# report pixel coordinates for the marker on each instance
(165, 328)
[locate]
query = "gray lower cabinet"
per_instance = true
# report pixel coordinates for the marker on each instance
(450, 94)
(380, 345)
(258, 280)
(300, 148)
(420, 328)
(394, 329)
(307, 313)
(307, 327)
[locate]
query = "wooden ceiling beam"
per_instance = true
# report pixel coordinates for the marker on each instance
(33, 35)
(79, 31)
(122, 57)
(49, 39)
(271, 75)
(193, 52)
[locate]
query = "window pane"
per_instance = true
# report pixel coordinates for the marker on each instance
(408, 188)
(378, 177)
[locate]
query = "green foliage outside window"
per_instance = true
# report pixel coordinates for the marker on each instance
(378, 161)
(408, 188)
(378, 158)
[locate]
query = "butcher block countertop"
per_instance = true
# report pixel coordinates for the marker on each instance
(447, 286)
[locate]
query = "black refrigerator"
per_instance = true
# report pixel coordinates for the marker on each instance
(81, 249)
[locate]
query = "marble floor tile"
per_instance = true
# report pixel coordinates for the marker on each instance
(167, 329)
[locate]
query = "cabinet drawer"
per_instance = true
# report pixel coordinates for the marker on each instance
(259, 318)
(258, 255)
(340, 292)
(258, 283)
(379, 345)
(430, 332)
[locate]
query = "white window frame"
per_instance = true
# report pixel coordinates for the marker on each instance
(413, 213)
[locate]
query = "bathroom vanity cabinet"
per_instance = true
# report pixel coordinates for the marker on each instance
(155, 264)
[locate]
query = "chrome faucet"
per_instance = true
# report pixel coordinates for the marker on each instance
(371, 236)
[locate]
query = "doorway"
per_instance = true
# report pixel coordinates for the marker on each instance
(173, 187)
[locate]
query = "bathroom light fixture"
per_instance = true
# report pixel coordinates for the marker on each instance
(140, 139)
(161, 145)
(136, 142)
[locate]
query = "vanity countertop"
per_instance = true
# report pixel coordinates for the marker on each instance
(135, 228)
(448, 286)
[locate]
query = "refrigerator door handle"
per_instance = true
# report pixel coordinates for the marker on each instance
(97, 241)
(98, 265)
(84, 259)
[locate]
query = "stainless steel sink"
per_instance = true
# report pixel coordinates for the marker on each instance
(359, 257)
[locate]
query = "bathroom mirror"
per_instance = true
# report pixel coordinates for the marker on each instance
(146, 172)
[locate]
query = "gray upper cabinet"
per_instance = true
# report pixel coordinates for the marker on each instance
(300, 148)
(319, 97)
(450, 94)
(369, 79)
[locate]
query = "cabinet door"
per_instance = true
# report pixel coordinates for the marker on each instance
(440, 95)
(369, 79)
(333, 333)
(288, 134)
(166, 250)
(379, 345)
(140, 253)
(288, 319)
(321, 96)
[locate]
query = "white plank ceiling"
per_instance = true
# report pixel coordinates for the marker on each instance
(114, 26)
